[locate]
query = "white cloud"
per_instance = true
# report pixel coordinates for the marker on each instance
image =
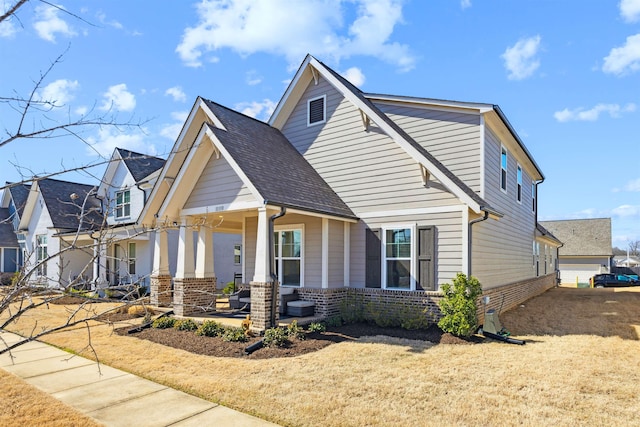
(259, 110)
(59, 92)
(81, 111)
(102, 17)
(172, 130)
(7, 28)
(355, 76)
(293, 28)
(633, 185)
(465, 3)
(591, 115)
(176, 93)
(625, 59)
(626, 211)
(108, 138)
(118, 98)
(630, 10)
(48, 24)
(520, 59)
(253, 78)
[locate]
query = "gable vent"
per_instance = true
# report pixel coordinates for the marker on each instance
(316, 110)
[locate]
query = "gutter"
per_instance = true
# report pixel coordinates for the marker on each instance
(272, 274)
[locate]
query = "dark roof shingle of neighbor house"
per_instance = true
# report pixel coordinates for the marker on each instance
(7, 237)
(19, 194)
(278, 171)
(140, 165)
(65, 212)
(582, 237)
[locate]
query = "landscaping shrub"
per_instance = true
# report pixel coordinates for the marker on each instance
(6, 279)
(232, 334)
(185, 325)
(138, 310)
(458, 306)
(295, 331)
(275, 337)
(228, 289)
(334, 321)
(210, 328)
(317, 327)
(163, 323)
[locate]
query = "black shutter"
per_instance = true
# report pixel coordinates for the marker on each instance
(316, 110)
(426, 259)
(373, 250)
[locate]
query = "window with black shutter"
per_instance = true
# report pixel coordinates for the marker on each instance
(316, 110)
(426, 259)
(373, 266)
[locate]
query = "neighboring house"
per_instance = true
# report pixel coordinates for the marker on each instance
(626, 261)
(351, 194)
(12, 245)
(587, 247)
(55, 208)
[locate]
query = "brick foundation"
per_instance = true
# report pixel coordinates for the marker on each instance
(261, 297)
(194, 295)
(160, 291)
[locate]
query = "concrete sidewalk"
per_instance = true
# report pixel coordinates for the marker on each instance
(111, 396)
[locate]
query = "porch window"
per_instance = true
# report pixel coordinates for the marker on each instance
(237, 254)
(398, 258)
(288, 256)
(503, 170)
(41, 253)
(519, 192)
(123, 204)
(132, 258)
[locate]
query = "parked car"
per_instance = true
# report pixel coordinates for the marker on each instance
(613, 280)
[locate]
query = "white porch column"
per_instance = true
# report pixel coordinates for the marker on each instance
(261, 274)
(186, 264)
(204, 256)
(325, 253)
(99, 262)
(161, 254)
(347, 254)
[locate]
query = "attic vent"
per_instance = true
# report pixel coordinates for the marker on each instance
(219, 208)
(316, 110)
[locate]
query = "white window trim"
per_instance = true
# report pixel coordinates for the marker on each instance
(115, 210)
(519, 184)
(239, 247)
(43, 267)
(413, 258)
(506, 170)
(292, 227)
(324, 111)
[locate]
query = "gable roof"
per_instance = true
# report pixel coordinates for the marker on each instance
(140, 165)
(7, 237)
(360, 100)
(281, 175)
(582, 237)
(65, 210)
(19, 194)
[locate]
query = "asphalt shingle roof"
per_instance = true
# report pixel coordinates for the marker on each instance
(140, 165)
(278, 171)
(66, 212)
(7, 236)
(19, 194)
(582, 237)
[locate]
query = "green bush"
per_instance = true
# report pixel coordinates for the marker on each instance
(210, 328)
(295, 331)
(228, 289)
(334, 321)
(232, 334)
(185, 325)
(317, 327)
(275, 337)
(458, 306)
(163, 323)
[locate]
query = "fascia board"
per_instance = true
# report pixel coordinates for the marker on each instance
(29, 206)
(472, 107)
(408, 148)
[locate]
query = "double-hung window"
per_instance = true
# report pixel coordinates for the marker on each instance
(519, 177)
(123, 204)
(41, 254)
(533, 197)
(288, 256)
(132, 258)
(237, 254)
(503, 169)
(398, 258)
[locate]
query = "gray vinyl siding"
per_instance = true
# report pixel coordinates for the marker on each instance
(218, 185)
(452, 137)
(503, 249)
(367, 169)
(449, 245)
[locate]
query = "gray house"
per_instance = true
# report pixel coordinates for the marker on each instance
(587, 247)
(12, 244)
(344, 193)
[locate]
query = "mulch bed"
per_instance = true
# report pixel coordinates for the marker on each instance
(215, 346)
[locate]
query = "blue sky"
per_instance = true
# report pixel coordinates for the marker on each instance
(565, 73)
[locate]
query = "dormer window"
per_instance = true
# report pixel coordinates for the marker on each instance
(123, 204)
(316, 110)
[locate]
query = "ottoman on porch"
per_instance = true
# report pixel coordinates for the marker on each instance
(300, 308)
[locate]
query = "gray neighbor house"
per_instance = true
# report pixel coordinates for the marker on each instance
(345, 194)
(586, 250)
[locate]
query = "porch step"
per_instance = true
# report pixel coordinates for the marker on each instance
(301, 308)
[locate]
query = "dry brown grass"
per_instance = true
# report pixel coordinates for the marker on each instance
(24, 405)
(580, 366)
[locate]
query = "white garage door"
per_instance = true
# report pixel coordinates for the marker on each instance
(583, 272)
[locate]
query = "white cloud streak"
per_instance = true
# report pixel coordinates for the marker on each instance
(521, 60)
(108, 138)
(172, 130)
(118, 98)
(624, 59)
(48, 24)
(355, 76)
(176, 93)
(59, 92)
(293, 28)
(260, 110)
(630, 10)
(593, 114)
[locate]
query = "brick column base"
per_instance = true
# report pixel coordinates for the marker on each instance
(261, 297)
(194, 295)
(160, 291)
